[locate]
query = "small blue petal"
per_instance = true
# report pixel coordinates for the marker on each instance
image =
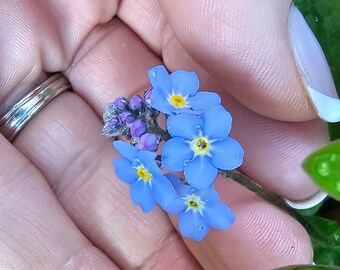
(200, 173)
(218, 216)
(203, 100)
(187, 126)
(209, 194)
(175, 153)
(184, 82)
(160, 79)
(124, 171)
(175, 207)
(159, 102)
(147, 158)
(227, 154)
(182, 189)
(217, 123)
(163, 191)
(125, 149)
(141, 195)
(191, 225)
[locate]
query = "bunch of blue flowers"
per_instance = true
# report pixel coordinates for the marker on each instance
(197, 146)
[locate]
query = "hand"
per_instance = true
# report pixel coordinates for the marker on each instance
(61, 204)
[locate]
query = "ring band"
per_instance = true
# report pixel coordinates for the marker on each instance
(24, 110)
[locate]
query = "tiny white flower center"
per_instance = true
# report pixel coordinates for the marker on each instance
(194, 203)
(200, 145)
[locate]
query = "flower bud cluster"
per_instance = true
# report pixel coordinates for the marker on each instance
(132, 119)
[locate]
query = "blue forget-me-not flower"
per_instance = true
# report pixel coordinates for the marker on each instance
(178, 92)
(139, 169)
(198, 210)
(201, 145)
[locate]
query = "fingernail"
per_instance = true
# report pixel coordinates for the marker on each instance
(313, 67)
(309, 202)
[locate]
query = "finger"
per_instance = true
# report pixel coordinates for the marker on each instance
(100, 59)
(39, 36)
(65, 142)
(35, 231)
(262, 237)
(274, 149)
(244, 45)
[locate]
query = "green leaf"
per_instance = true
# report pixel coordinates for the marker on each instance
(309, 267)
(323, 16)
(323, 166)
(325, 236)
(334, 131)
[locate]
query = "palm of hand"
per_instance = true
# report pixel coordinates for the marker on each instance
(61, 205)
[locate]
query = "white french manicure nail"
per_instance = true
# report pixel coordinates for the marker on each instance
(313, 67)
(309, 202)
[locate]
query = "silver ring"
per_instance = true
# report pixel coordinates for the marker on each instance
(24, 110)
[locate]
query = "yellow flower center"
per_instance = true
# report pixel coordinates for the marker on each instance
(200, 145)
(144, 174)
(194, 202)
(178, 101)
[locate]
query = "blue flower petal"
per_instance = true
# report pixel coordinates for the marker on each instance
(187, 126)
(209, 194)
(184, 82)
(147, 158)
(160, 80)
(217, 123)
(174, 154)
(227, 154)
(160, 102)
(175, 207)
(200, 173)
(191, 225)
(203, 100)
(141, 195)
(125, 149)
(182, 189)
(124, 171)
(163, 191)
(218, 216)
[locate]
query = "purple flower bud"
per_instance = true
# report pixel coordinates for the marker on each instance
(126, 117)
(147, 97)
(148, 141)
(135, 102)
(113, 122)
(137, 128)
(120, 103)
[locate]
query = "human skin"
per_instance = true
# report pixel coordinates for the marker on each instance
(61, 205)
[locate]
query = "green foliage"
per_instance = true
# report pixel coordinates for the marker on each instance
(323, 16)
(324, 168)
(309, 267)
(325, 236)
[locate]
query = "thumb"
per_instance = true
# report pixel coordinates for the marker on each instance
(245, 45)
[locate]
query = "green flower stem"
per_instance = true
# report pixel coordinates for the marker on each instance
(156, 129)
(256, 188)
